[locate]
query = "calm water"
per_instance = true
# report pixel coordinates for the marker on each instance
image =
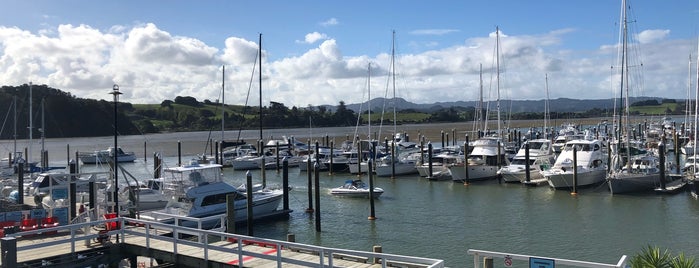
(441, 219)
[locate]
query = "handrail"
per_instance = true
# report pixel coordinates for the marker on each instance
(80, 232)
(477, 254)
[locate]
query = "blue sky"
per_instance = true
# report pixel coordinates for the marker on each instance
(317, 52)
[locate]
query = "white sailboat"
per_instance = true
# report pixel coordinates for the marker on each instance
(397, 162)
(630, 173)
(488, 154)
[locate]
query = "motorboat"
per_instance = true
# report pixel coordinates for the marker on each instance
(591, 165)
(106, 156)
(199, 198)
(355, 188)
(541, 157)
(146, 196)
(487, 157)
(404, 164)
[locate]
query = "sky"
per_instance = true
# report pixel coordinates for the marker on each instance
(323, 52)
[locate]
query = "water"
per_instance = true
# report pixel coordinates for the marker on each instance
(442, 219)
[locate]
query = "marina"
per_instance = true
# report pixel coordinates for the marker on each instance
(442, 220)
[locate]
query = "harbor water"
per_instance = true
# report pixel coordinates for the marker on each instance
(443, 219)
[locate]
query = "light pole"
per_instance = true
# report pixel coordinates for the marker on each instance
(116, 93)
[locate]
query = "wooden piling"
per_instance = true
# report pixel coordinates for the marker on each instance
(249, 206)
(317, 196)
(285, 183)
(372, 211)
(575, 171)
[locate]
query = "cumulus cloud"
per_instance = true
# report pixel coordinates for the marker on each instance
(152, 65)
(650, 36)
(313, 37)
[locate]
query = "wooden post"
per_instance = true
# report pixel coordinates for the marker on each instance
(291, 238)
(285, 183)
(442, 133)
(526, 164)
(9, 251)
(230, 213)
(575, 170)
(360, 151)
(466, 178)
(20, 182)
(179, 153)
(309, 172)
(248, 204)
(263, 170)
(332, 156)
(394, 158)
(661, 152)
(278, 166)
(488, 262)
(145, 152)
(453, 134)
(429, 159)
(372, 211)
(317, 193)
(377, 249)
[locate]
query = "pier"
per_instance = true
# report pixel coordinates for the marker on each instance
(77, 244)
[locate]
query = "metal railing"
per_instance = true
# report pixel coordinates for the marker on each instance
(80, 232)
(546, 261)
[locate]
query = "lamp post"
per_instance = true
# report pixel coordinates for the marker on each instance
(116, 93)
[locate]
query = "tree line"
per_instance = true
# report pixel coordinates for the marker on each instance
(68, 116)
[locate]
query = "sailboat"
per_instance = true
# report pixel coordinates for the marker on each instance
(630, 173)
(398, 163)
(488, 154)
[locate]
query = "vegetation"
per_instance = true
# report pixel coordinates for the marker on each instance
(654, 257)
(68, 116)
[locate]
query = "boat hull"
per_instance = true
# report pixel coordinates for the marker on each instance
(560, 179)
(633, 183)
(475, 173)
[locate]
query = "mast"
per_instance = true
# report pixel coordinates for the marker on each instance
(624, 79)
(260, 78)
(696, 116)
(369, 93)
(546, 106)
(393, 71)
(223, 100)
(497, 66)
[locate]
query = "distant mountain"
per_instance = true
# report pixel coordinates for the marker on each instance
(515, 106)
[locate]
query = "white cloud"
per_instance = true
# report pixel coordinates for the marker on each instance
(151, 65)
(650, 36)
(314, 37)
(330, 22)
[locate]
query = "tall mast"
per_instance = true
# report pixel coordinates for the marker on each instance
(393, 71)
(260, 77)
(369, 93)
(624, 79)
(497, 66)
(223, 100)
(696, 115)
(546, 105)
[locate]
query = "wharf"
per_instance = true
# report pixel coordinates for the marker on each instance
(71, 245)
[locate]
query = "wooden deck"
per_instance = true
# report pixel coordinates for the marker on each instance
(73, 245)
